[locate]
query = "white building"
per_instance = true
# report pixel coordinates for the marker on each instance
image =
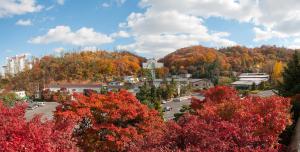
(16, 64)
(246, 80)
(152, 64)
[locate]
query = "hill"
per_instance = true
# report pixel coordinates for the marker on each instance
(237, 58)
(89, 66)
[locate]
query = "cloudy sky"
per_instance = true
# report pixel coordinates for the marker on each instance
(151, 28)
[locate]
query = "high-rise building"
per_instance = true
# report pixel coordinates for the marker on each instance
(16, 64)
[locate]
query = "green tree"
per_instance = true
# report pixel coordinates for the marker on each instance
(253, 86)
(9, 99)
(143, 94)
(213, 72)
(291, 77)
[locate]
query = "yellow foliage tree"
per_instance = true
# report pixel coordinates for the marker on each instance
(277, 71)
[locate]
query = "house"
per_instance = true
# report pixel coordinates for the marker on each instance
(201, 83)
(246, 80)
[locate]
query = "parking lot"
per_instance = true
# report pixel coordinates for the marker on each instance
(46, 111)
(176, 106)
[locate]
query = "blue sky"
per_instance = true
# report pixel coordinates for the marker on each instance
(151, 28)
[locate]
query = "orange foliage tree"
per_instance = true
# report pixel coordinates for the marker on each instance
(112, 122)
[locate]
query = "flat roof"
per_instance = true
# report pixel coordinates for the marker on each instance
(75, 85)
(244, 82)
(254, 75)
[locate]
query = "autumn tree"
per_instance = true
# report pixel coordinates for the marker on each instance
(224, 122)
(112, 122)
(277, 71)
(17, 134)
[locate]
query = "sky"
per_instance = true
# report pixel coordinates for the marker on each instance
(150, 28)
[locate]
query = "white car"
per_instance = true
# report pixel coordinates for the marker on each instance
(32, 106)
(164, 102)
(167, 109)
(40, 103)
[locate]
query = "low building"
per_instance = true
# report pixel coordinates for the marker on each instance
(116, 83)
(72, 88)
(246, 80)
(131, 79)
(186, 75)
(201, 83)
(181, 81)
(195, 83)
(20, 94)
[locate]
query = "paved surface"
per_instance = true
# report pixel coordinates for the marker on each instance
(176, 106)
(46, 111)
(265, 93)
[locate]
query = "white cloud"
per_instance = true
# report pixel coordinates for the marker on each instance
(281, 18)
(89, 48)
(120, 34)
(59, 50)
(105, 5)
(61, 2)
(18, 7)
(267, 34)
(242, 10)
(24, 22)
(63, 34)
(157, 33)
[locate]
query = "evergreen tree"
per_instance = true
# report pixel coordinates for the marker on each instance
(291, 77)
(143, 94)
(253, 87)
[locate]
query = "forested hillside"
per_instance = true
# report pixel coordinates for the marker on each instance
(84, 66)
(102, 66)
(240, 59)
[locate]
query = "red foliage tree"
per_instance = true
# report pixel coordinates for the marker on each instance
(112, 122)
(35, 136)
(225, 122)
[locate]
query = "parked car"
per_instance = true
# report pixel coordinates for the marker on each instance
(176, 99)
(167, 109)
(164, 102)
(40, 103)
(32, 106)
(182, 98)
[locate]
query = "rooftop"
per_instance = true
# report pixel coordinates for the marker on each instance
(70, 85)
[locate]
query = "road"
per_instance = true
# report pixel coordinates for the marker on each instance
(46, 111)
(176, 106)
